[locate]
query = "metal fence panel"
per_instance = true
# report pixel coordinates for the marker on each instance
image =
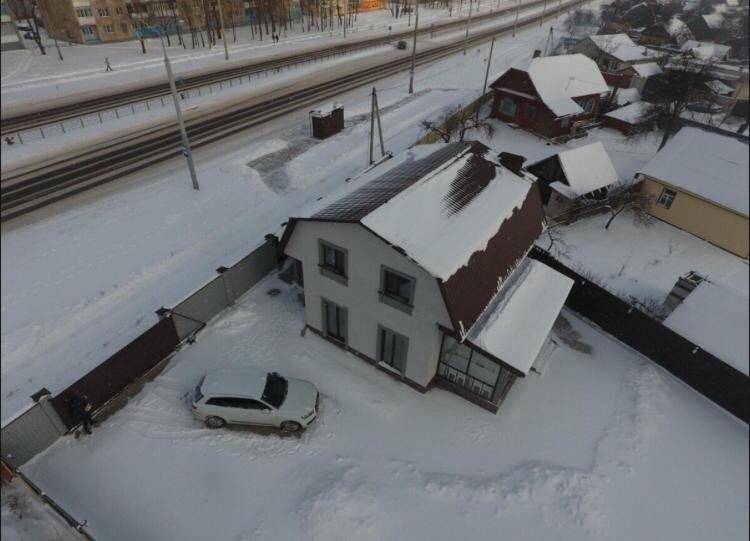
(29, 434)
(205, 303)
(250, 270)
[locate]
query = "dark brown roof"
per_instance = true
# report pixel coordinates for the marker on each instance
(377, 192)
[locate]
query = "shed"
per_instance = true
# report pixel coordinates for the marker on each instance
(630, 118)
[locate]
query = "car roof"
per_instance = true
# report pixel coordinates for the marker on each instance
(235, 381)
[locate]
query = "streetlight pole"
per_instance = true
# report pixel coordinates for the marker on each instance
(515, 23)
(486, 76)
(183, 133)
(544, 10)
(468, 24)
(414, 50)
(223, 32)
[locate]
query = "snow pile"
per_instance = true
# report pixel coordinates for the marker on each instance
(621, 47)
(587, 168)
(710, 165)
(632, 113)
(515, 326)
(717, 319)
(558, 79)
(439, 240)
(647, 69)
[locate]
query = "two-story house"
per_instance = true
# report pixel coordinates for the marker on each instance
(422, 271)
(552, 96)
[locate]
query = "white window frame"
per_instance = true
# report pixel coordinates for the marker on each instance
(505, 100)
(666, 198)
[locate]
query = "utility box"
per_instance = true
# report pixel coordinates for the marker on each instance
(401, 45)
(323, 125)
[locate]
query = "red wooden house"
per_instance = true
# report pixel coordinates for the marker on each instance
(552, 96)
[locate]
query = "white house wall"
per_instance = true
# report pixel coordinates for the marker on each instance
(366, 254)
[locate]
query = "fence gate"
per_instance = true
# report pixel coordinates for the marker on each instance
(31, 432)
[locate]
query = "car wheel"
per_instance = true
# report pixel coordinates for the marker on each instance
(214, 422)
(291, 426)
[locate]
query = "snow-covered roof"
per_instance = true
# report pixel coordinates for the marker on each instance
(647, 69)
(439, 222)
(705, 49)
(709, 165)
(621, 47)
(713, 20)
(632, 113)
(719, 87)
(676, 28)
(715, 317)
(558, 79)
(732, 3)
(516, 325)
(587, 168)
(627, 95)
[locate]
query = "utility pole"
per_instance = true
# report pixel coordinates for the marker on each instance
(515, 23)
(486, 76)
(468, 24)
(223, 32)
(183, 133)
(414, 51)
(375, 114)
(544, 10)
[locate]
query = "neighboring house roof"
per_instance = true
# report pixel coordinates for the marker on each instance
(715, 318)
(632, 113)
(705, 50)
(713, 20)
(621, 47)
(559, 79)
(457, 213)
(707, 164)
(587, 168)
(647, 69)
(677, 28)
(517, 323)
(718, 87)
(624, 96)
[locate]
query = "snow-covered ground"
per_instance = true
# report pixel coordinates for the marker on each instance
(641, 258)
(82, 70)
(604, 445)
(25, 517)
(83, 278)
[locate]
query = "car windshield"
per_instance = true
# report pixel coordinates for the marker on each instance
(275, 391)
(198, 393)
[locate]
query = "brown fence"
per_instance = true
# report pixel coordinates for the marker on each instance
(113, 375)
(705, 373)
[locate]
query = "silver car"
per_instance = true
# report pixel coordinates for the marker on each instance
(253, 397)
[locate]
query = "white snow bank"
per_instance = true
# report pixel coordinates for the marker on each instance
(586, 168)
(709, 165)
(439, 240)
(558, 79)
(716, 318)
(516, 324)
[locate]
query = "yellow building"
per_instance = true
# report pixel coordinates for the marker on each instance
(699, 183)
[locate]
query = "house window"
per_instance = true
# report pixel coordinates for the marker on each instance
(392, 348)
(666, 198)
(334, 320)
(87, 30)
(565, 122)
(83, 12)
(508, 106)
(469, 369)
(108, 28)
(119, 11)
(588, 105)
(529, 111)
(124, 27)
(332, 261)
(103, 12)
(396, 289)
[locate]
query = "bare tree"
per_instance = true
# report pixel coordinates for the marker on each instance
(670, 92)
(26, 10)
(457, 122)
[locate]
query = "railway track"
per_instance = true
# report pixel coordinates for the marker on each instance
(11, 123)
(37, 186)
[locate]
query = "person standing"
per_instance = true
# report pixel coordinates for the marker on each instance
(107, 64)
(80, 409)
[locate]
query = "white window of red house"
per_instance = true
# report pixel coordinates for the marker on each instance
(508, 106)
(588, 105)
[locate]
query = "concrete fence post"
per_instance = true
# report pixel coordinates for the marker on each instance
(227, 281)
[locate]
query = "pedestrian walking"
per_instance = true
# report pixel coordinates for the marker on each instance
(80, 409)
(108, 65)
